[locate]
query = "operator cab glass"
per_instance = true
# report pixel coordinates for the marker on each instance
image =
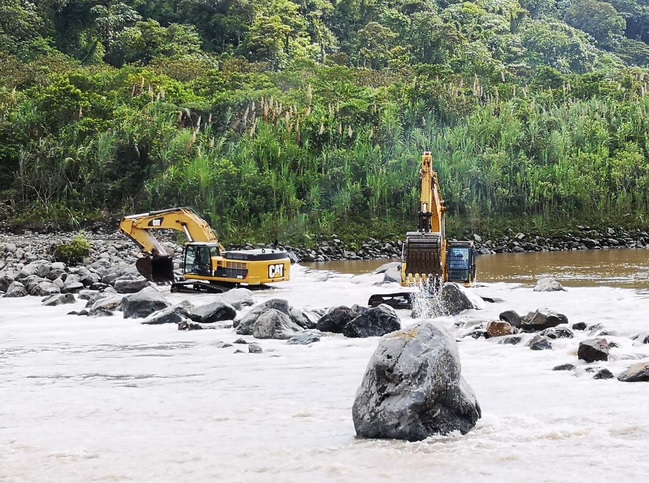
(461, 264)
(198, 259)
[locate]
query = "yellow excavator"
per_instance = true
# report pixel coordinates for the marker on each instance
(206, 265)
(428, 259)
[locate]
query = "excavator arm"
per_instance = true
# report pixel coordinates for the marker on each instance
(425, 249)
(157, 264)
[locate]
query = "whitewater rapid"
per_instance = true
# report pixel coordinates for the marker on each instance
(108, 399)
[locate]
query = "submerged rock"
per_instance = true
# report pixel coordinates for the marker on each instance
(592, 350)
(413, 387)
(548, 284)
(636, 373)
(542, 319)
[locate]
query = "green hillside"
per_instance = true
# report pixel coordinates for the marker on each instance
(286, 119)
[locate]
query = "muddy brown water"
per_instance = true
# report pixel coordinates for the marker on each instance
(628, 268)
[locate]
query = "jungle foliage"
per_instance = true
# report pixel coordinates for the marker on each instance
(281, 118)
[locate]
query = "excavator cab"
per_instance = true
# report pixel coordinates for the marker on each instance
(461, 262)
(198, 258)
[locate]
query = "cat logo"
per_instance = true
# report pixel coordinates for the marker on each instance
(156, 221)
(276, 271)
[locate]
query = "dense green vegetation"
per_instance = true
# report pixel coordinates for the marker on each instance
(280, 118)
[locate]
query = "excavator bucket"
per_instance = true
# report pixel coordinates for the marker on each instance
(156, 269)
(423, 257)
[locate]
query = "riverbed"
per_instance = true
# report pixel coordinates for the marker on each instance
(108, 399)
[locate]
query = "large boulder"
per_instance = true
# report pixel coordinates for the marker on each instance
(247, 322)
(336, 319)
(542, 319)
(592, 350)
(636, 373)
(143, 303)
(377, 321)
(273, 324)
(413, 387)
(213, 312)
(456, 299)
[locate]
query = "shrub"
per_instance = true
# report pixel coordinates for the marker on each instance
(73, 252)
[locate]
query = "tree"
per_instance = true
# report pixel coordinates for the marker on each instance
(598, 19)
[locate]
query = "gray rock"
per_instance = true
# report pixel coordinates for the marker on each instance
(305, 338)
(16, 289)
(336, 319)
(374, 322)
(593, 350)
(542, 319)
(539, 343)
(254, 348)
(213, 312)
(72, 284)
(189, 324)
(143, 303)
(393, 273)
(127, 284)
(636, 373)
(237, 298)
(304, 318)
(510, 340)
(44, 288)
(512, 317)
(169, 315)
(59, 299)
(603, 374)
(246, 323)
(273, 324)
(557, 333)
(455, 298)
(547, 284)
(413, 388)
(104, 304)
(564, 367)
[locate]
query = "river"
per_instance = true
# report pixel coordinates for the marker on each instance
(588, 268)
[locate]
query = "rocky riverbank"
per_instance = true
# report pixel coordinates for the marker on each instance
(30, 246)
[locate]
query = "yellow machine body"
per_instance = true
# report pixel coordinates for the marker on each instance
(204, 258)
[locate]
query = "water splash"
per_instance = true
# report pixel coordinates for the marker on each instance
(426, 302)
